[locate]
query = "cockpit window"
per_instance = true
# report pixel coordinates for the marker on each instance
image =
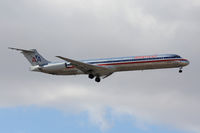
(177, 56)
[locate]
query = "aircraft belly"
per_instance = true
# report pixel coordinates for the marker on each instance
(72, 71)
(144, 66)
(67, 71)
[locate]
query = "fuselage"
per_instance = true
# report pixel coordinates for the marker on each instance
(130, 63)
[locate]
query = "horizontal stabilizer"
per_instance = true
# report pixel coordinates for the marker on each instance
(22, 50)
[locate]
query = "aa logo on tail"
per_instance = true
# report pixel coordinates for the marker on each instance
(36, 59)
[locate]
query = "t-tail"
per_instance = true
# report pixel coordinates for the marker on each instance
(33, 56)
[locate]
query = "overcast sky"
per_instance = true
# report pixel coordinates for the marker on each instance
(82, 29)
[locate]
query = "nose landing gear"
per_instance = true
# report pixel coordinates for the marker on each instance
(180, 70)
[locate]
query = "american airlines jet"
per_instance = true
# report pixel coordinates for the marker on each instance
(102, 68)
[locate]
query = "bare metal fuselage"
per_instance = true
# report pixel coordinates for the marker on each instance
(115, 65)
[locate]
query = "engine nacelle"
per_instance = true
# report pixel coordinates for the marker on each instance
(36, 68)
(54, 67)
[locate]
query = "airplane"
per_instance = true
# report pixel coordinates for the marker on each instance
(101, 68)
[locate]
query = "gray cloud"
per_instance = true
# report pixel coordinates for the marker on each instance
(94, 29)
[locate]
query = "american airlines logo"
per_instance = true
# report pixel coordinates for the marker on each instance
(142, 57)
(36, 59)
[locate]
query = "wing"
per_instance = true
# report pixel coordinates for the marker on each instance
(88, 68)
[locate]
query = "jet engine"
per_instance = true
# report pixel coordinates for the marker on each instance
(54, 67)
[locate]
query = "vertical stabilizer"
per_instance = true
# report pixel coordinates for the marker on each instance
(33, 57)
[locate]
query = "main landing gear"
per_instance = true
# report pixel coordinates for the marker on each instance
(91, 76)
(97, 79)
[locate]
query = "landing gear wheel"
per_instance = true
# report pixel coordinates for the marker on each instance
(180, 71)
(91, 76)
(97, 79)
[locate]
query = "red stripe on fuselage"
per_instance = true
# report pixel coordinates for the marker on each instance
(135, 62)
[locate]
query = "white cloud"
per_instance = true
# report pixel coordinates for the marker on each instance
(173, 108)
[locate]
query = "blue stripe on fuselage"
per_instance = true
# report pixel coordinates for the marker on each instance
(133, 60)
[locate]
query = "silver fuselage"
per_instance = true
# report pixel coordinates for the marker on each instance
(130, 63)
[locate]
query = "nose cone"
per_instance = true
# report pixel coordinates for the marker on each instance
(185, 62)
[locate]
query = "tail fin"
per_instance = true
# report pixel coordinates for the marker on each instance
(33, 57)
